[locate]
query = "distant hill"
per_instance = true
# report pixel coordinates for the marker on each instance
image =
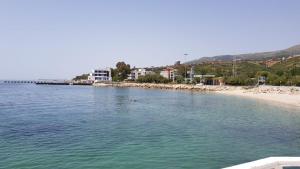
(294, 50)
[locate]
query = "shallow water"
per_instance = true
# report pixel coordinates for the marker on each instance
(127, 128)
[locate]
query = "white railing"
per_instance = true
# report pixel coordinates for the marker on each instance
(269, 163)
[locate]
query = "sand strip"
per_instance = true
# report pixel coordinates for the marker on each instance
(287, 96)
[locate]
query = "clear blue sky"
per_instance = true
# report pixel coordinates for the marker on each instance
(62, 38)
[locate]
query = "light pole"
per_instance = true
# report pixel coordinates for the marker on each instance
(185, 69)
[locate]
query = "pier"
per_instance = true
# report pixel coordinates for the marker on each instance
(38, 82)
(18, 81)
(43, 82)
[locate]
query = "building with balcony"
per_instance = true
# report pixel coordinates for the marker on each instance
(168, 73)
(100, 75)
(136, 73)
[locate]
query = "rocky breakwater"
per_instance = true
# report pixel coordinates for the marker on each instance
(168, 86)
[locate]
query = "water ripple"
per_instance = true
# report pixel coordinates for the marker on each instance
(85, 127)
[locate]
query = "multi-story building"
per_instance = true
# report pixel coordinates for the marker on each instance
(136, 73)
(168, 73)
(100, 75)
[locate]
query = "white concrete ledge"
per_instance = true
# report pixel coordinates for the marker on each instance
(269, 163)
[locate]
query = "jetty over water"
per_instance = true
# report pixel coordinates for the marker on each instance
(53, 82)
(43, 82)
(19, 81)
(270, 163)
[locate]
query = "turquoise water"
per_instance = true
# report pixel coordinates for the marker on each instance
(126, 128)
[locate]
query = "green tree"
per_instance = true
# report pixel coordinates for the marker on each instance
(121, 71)
(181, 69)
(81, 77)
(179, 79)
(296, 81)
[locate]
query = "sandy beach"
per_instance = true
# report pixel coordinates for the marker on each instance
(286, 95)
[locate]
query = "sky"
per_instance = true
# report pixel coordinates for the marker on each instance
(58, 39)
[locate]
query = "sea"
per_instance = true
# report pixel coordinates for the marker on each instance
(85, 127)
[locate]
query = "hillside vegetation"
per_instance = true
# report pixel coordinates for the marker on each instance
(285, 72)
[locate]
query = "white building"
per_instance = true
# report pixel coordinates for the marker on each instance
(100, 75)
(136, 73)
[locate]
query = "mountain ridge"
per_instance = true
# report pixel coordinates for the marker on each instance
(258, 56)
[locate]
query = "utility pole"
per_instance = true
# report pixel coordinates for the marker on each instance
(192, 73)
(234, 67)
(173, 75)
(185, 69)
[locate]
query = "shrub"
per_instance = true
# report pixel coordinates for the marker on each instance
(179, 79)
(240, 81)
(296, 80)
(152, 78)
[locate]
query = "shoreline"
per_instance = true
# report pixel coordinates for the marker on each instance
(286, 95)
(283, 95)
(167, 86)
